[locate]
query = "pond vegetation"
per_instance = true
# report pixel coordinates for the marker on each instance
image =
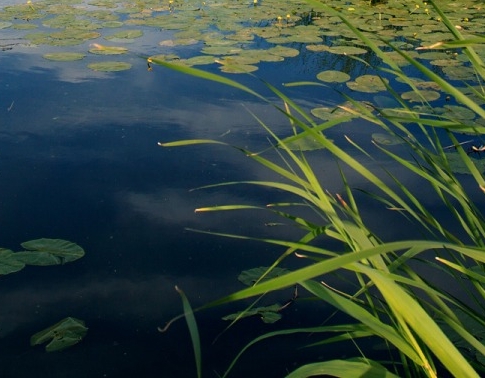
(416, 54)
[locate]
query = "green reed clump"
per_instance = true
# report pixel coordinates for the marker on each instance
(431, 329)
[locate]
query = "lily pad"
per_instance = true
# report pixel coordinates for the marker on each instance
(107, 50)
(457, 164)
(110, 66)
(251, 276)
(268, 314)
(62, 335)
(49, 252)
(424, 95)
(8, 262)
(125, 34)
(64, 56)
(386, 139)
(367, 84)
(332, 76)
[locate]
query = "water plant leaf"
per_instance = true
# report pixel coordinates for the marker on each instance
(125, 34)
(49, 252)
(367, 84)
(420, 96)
(64, 56)
(251, 276)
(8, 262)
(62, 335)
(268, 314)
(96, 48)
(333, 76)
(386, 139)
(109, 66)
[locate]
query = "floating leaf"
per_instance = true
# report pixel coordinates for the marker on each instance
(386, 139)
(125, 34)
(109, 66)
(457, 164)
(332, 76)
(63, 334)
(49, 252)
(64, 56)
(268, 314)
(420, 96)
(8, 262)
(250, 276)
(367, 84)
(107, 50)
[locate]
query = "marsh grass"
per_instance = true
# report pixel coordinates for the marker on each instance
(432, 329)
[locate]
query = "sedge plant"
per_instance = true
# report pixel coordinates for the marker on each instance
(422, 321)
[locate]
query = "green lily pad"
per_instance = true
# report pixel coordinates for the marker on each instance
(424, 95)
(268, 314)
(64, 56)
(457, 164)
(367, 84)
(125, 34)
(386, 139)
(249, 277)
(110, 66)
(238, 68)
(62, 335)
(49, 252)
(332, 76)
(8, 262)
(107, 50)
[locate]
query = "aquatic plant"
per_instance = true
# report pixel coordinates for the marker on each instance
(432, 329)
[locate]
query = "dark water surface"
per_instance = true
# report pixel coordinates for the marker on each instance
(79, 160)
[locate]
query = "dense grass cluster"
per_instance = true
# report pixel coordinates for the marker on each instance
(432, 330)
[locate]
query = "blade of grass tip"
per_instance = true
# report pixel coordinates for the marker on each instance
(194, 331)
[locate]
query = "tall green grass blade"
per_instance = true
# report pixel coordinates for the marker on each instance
(194, 331)
(343, 369)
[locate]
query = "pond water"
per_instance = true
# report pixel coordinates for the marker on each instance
(79, 160)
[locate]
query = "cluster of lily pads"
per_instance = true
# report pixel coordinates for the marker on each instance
(236, 34)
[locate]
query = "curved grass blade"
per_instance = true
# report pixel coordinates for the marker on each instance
(193, 329)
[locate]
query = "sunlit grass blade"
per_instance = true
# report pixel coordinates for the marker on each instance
(343, 369)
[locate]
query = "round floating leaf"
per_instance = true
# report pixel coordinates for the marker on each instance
(125, 34)
(107, 50)
(112, 24)
(64, 56)
(238, 68)
(268, 314)
(367, 84)
(386, 139)
(420, 96)
(332, 76)
(49, 252)
(62, 335)
(250, 276)
(110, 66)
(8, 262)
(457, 164)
